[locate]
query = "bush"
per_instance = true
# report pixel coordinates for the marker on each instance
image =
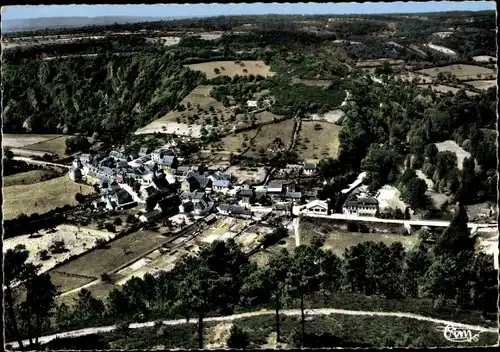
(117, 222)
(44, 254)
(110, 227)
(238, 339)
(57, 247)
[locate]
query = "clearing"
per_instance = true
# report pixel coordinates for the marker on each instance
(442, 49)
(462, 72)
(231, 68)
(41, 197)
(331, 116)
(452, 146)
(389, 197)
(318, 140)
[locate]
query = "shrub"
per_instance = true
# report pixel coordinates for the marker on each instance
(117, 222)
(57, 247)
(238, 339)
(109, 227)
(44, 254)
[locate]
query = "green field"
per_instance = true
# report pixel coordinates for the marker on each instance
(230, 68)
(315, 144)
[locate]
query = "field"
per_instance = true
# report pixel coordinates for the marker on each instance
(332, 116)
(248, 174)
(378, 62)
(483, 84)
(484, 58)
(50, 143)
(41, 197)
(455, 148)
(231, 68)
(234, 142)
(28, 177)
(316, 144)
(463, 72)
(441, 88)
(410, 76)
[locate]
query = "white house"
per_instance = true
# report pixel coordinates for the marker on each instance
(316, 207)
(361, 207)
(252, 103)
(221, 185)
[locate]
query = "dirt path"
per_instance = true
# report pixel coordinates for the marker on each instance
(288, 312)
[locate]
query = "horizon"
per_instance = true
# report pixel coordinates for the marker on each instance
(27, 12)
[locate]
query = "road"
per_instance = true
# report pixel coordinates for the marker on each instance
(39, 162)
(289, 312)
(430, 223)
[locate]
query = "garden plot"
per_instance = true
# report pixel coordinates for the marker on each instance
(453, 147)
(231, 68)
(462, 72)
(77, 240)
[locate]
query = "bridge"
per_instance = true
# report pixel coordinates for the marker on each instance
(40, 163)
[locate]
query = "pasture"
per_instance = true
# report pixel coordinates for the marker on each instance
(268, 133)
(41, 197)
(28, 177)
(462, 72)
(453, 147)
(231, 68)
(55, 145)
(49, 143)
(318, 140)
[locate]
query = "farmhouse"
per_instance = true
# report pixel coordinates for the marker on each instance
(252, 103)
(361, 207)
(190, 184)
(275, 190)
(221, 185)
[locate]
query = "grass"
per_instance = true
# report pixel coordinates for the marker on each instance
(378, 62)
(268, 133)
(25, 140)
(56, 145)
(118, 253)
(463, 72)
(234, 142)
(442, 88)
(66, 282)
(317, 144)
(41, 197)
(312, 82)
(232, 69)
(28, 177)
(100, 290)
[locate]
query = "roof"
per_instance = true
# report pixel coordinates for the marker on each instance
(222, 183)
(274, 184)
(281, 206)
(151, 214)
(209, 218)
(167, 160)
(317, 202)
(368, 200)
(122, 197)
(310, 166)
(203, 181)
(350, 203)
(246, 192)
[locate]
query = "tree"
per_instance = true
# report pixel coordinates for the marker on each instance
(87, 308)
(276, 273)
(238, 338)
(16, 270)
(80, 198)
(76, 144)
(414, 193)
(417, 262)
(456, 238)
(40, 297)
(199, 288)
(304, 277)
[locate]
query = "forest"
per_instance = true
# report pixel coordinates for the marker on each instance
(222, 280)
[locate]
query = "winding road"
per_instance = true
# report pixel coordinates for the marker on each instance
(288, 312)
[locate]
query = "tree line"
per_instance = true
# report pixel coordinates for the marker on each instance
(221, 280)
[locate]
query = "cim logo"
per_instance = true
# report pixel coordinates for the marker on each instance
(454, 334)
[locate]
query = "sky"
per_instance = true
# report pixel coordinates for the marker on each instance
(203, 10)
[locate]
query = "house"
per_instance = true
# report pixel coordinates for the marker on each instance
(230, 209)
(316, 207)
(85, 158)
(75, 174)
(116, 155)
(361, 207)
(160, 153)
(132, 155)
(276, 146)
(210, 219)
(190, 184)
(246, 195)
(309, 169)
(275, 190)
(77, 164)
(147, 192)
(252, 103)
(150, 215)
(219, 176)
(221, 185)
(144, 151)
(186, 207)
(119, 200)
(204, 182)
(169, 161)
(169, 205)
